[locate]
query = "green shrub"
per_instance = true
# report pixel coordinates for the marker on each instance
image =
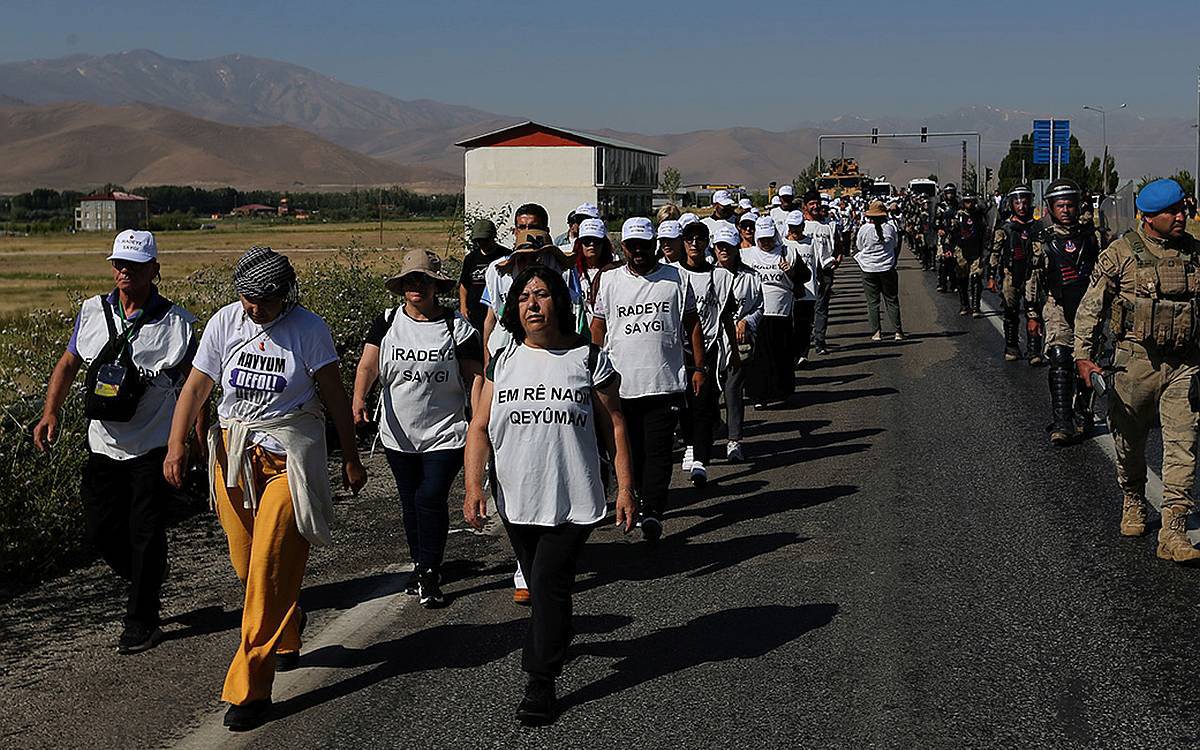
(41, 518)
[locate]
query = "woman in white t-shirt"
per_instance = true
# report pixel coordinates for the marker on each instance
(277, 366)
(548, 397)
(875, 252)
(771, 380)
(747, 313)
(712, 287)
(430, 362)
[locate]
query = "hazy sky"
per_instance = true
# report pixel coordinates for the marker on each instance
(670, 66)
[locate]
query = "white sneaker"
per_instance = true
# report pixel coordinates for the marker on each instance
(733, 451)
(687, 458)
(698, 475)
(878, 336)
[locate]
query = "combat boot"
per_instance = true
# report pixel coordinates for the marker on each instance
(1133, 516)
(976, 296)
(1062, 396)
(1012, 349)
(964, 302)
(1033, 345)
(1173, 542)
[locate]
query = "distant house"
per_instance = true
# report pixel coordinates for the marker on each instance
(559, 169)
(254, 209)
(111, 212)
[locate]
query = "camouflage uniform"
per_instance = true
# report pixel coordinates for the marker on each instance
(943, 220)
(967, 235)
(1062, 261)
(1147, 290)
(1012, 252)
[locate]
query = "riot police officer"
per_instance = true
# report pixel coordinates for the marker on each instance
(1146, 285)
(1012, 247)
(943, 218)
(967, 236)
(1063, 257)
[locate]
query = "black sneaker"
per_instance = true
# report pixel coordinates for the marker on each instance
(651, 528)
(412, 587)
(538, 707)
(137, 638)
(429, 592)
(248, 715)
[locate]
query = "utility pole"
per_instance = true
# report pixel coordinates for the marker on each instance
(964, 167)
(1104, 136)
(1196, 178)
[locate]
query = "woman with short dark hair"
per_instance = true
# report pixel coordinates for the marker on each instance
(546, 399)
(277, 366)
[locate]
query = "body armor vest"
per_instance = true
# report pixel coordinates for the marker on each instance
(1069, 263)
(1163, 313)
(1018, 243)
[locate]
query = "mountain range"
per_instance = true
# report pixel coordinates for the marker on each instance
(258, 95)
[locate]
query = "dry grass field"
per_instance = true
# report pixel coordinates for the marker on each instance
(45, 271)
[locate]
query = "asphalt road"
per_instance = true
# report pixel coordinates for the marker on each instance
(902, 561)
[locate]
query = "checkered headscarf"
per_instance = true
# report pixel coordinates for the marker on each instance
(262, 272)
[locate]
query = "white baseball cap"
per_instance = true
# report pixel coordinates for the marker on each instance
(726, 234)
(669, 230)
(587, 209)
(750, 215)
(134, 245)
(795, 218)
(745, 203)
(787, 190)
(592, 228)
(687, 218)
(722, 197)
(764, 227)
(774, 200)
(637, 228)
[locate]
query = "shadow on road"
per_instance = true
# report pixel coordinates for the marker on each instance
(741, 633)
(457, 646)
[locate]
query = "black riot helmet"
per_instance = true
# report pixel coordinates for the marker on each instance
(969, 196)
(949, 188)
(1019, 191)
(1061, 188)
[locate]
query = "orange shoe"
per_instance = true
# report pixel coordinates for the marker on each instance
(521, 596)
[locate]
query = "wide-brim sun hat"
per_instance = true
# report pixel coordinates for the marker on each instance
(422, 262)
(534, 242)
(876, 211)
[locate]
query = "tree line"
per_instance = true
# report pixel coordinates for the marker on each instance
(54, 210)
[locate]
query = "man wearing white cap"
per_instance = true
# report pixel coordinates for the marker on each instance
(138, 348)
(566, 240)
(771, 380)
(747, 313)
(786, 205)
(722, 211)
(804, 310)
(643, 311)
(744, 205)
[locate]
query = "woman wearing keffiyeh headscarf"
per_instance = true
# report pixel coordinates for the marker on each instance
(278, 371)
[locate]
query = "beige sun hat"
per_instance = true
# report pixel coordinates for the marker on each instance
(420, 261)
(876, 211)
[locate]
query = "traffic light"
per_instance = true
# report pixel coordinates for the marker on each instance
(987, 175)
(874, 135)
(924, 134)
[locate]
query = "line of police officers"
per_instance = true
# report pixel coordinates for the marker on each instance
(1137, 298)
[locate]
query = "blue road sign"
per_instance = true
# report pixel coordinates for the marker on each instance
(1051, 138)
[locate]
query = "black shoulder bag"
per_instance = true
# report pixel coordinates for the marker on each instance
(114, 386)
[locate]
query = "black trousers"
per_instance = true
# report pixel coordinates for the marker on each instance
(423, 481)
(548, 555)
(804, 314)
(126, 504)
(772, 374)
(650, 423)
(699, 415)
